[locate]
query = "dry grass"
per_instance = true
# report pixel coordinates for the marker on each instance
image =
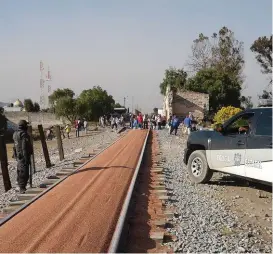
(37, 146)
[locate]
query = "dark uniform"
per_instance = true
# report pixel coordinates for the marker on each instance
(22, 152)
(3, 123)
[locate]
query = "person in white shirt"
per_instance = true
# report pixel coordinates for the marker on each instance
(114, 121)
(159, 120)
(85, 126)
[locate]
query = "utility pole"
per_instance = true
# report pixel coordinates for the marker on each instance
(44, 77)
(124, 101)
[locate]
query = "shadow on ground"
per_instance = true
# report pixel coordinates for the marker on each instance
(229, 180)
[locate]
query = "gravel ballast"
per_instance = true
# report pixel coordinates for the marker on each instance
(74, 148)
(203, 222)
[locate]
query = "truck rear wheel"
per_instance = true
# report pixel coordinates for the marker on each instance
(198, 168)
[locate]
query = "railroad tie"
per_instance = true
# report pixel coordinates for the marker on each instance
(160, 223)
(158, 170)
(10, 209)
(62, 173)
(79, 162)
(158, 187)
(157, 236)
(161, 192)
(35, 190)
(50, 181)
(163, 198)
(169, 214)
(17, 202)
(26, 196)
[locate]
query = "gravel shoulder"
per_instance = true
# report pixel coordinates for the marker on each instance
(226, 215)
(74, 148)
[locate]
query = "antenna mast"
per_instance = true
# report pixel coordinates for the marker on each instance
(44, 101)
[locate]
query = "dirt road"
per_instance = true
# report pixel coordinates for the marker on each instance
(80, 214)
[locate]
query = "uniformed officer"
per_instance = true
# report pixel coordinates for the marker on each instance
(22, 153)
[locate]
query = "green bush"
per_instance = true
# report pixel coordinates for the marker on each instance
(224, 114)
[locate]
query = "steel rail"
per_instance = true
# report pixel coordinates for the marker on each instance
(11, 215)
(115, 241)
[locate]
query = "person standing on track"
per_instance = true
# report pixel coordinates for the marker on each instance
(22, 153)
(131, 120)
(187, 123)
(140, 121)
(114, 122)
(77, 127)
(174, 125)
(159, 122)
(145, 121)
(135, 123)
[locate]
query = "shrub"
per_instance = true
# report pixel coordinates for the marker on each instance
(224, 114)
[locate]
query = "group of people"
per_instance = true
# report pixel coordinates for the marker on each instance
(143, 121)
(79, 126)
(188, 124)
(113, 121)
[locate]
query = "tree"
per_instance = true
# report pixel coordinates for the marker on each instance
(262, 47)
(69, 108)
(223, 90)
(155, 110)
(225, 113)
(201, 54)
(117, 105)
(265, 95)
(36, 107)
(96, 102)
(246, 102)
(222, 51)
(59, 93)
(28, 105)
(176, 78)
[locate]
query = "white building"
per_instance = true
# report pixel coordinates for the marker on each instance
(17, 107)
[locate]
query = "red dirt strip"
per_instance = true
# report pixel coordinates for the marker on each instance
(80, 214)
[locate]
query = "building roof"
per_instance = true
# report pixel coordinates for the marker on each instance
(18, 103)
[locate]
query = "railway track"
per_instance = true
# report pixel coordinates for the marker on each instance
(83, 211)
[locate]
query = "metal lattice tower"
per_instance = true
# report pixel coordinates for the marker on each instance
(44, 77)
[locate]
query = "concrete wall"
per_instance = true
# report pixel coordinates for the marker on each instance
(188, 101)
(183, 102)
(46, 119)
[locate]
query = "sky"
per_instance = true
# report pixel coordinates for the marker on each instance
(122, 45)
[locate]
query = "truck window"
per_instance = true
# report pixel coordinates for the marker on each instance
(264, 125)
(241, 125)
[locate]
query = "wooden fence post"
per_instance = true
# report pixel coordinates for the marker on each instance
(44, 146)
(4, 163)
(59, 142)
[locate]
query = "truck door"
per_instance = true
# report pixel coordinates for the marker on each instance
(228, 149)
(258, 161)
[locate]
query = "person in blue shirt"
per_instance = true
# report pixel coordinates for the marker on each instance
(174, 125)
(187, 123)
(135, 123)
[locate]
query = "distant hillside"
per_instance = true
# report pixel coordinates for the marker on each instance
(3, 104)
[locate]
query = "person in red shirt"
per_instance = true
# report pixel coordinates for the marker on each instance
(77, 127)
(140, 120)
